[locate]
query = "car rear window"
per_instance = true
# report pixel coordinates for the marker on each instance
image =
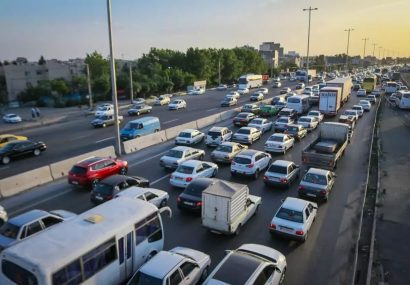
(275, 139)
(256, 122)
(282, 120)
(214, 134)
(78, 170)
(293, 100)
(195, 190)
(185, 169)
(290, 215)
(315, 179)
(243, 115)
(103, 188)
(242, 160)
(284, 113)
(184, 135)
(244, 131)
(224, 148)
(278, 169)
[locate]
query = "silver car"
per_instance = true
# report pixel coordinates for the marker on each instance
(317, 183)
(247, 135)
(226, 151)
(308, 122)
(281, 173)
(154, 196)
(175, 156)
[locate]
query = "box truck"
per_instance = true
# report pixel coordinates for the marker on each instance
(346, 84)
(330, 100)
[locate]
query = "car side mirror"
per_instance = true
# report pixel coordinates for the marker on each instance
(315, 207)
(334, 174)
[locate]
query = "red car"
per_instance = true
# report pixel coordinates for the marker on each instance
(91, 170)
(243, 119)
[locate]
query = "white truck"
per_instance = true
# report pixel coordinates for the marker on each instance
(330, 100)
(325, 151)
(227, 206)
(345, 84)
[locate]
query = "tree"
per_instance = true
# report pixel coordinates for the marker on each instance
(79, 84)
(59, 86)
(97, 65)
(41, 61)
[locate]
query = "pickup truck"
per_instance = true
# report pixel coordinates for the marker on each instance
(325, 151)
(227, 206)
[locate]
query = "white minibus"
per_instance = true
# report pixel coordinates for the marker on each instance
(299, 103)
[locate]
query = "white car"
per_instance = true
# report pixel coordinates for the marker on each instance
(12, 118)
(371, 99)
(257, 264)
(233, 94)
(377, 92)
(222, 87)
(263, 90)
(198, 91)
(179, 266)
(359, 109)
(276, 84)
(279, 143)
(250, 162)
(294, 218)
(292, 79)
(3, 216)
(138, 101)
(191, 169)
(257, 96)
(282, 123)
(300, 86)
(243, 91)
(162, 100)
(156, 197)
(218, 135)
(175, 156)
(316, 114)
(177, 104)
(309, 123)
(361, 93)
(189, 137)
(351, 112)
(225, 152)
(365, 104)
(247, 135)
(281, 173)
(262, 124)
(106, 110)
(285, 90)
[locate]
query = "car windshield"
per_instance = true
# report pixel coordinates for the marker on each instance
(214, 134)
(175, 102)
(315, 179)
(304, 120)
(244, 131)
(103, 188)
(243, 115)
(293, 100)
(143, 279)
(266, 108)
(350, 113)
(275, 139)
(313, 114)
(282, 121)
(78, 170)
(290, 215)
(175, 153)
(278, 169)
(9, 230)
(185, 169)
(184, 135)
(293, 128)
(224, 148)
(132, 126)
(242, 160)
(284, 113)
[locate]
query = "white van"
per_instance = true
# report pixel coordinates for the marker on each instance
(299, 103)
(404, 100)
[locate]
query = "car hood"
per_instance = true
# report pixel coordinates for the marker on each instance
(5, 241)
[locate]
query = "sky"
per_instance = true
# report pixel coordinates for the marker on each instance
(66, 29)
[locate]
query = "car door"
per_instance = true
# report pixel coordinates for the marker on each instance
(309, 216)
(33, 228)
(330, 181)
(191, 272)
(266, 276)
(200, 170)
(293, 172)
(110, 168)
(22, 149)
(190, 154)
(176, 278)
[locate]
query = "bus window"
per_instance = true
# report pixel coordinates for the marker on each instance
(18, 274)
(69, 274)
(99, 257)
(148, 229)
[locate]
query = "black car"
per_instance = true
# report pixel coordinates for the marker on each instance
(356, 87)
(107, 188)
(17, 149)
(191, 198)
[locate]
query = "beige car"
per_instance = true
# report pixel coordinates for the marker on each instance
(226, 151)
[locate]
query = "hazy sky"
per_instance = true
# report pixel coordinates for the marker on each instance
(70, 28)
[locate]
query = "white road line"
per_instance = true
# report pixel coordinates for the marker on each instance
(149, 158)
(106, 139)
(80, 137)
(213, 109)
(170, 121)
(159, 179)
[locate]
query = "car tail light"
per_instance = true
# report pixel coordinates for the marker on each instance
(323, 192)
(300, 188)
(250, 165)
(265, 177)
(300, 233)
(198, 204)
(178, 199)
(188, 179)
(273, 226)
(283, 180)
(109, 197)
(226, 156)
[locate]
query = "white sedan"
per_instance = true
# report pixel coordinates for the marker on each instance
(12, 118)
(316, 114)
(189, 137)
(177, 104)
(154, 196)
(285, 90)
(361, 93)
(247, 135)
(279, 143)
(233, 94)
(263, 90)
(309, 123)
(243, 91)
(191, 169)
(257, 96)
(359, 109)
(261, 124)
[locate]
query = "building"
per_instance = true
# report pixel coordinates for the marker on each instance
(271, 53)
(291, 57)
(21, 75)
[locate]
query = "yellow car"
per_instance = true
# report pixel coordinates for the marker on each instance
(4, 139)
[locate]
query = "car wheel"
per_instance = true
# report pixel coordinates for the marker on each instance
(163, 203)
(204, 274)
(282, 277)
(238, 229)
(123, 171)
(5, 160)
(256, 174)
(201, 157)
(256, 210)
(214, 173)
(37, 152)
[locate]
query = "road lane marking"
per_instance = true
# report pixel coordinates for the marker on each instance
(106, 139)
(145, 160)
(80, 137)
(159, 179)
(170, 121)
(213, 109)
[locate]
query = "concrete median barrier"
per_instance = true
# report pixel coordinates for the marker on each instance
(61, 168)
(205, 122)
(143, 142)
(229, 114)
(18, 183)
(174, 131)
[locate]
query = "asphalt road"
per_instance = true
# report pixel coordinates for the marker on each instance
(77, 136)
(325, 258)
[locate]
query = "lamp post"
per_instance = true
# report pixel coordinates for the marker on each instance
(348, 42)
(90, 96)
(310, 9)
(364, 49)
(113, 83)
(131, 85)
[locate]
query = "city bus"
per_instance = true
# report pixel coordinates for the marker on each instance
(250, 81)
(299, 103)
(104, 245)
(369, 83)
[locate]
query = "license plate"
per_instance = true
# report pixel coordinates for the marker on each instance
(178, 178)
(274, 178)
(285, 230)
(310, 195)
(74, 182)
(188, 203)
(98, 198)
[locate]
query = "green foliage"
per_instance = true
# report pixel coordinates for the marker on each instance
(41, 61)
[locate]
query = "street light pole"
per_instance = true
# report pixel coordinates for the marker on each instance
(113, 83)
(219, 71)
(310, 9)
(347, 51)
(380, 49)
(364, 49)
(90, 96)
(374, 47)
(131, 86)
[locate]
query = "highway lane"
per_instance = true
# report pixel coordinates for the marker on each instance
(77, 136)
(325, 258)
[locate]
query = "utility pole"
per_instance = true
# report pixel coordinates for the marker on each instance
(384, 50)
(374, 47)
(113, 83)
(219, 71)
(347, 51)
(131, 86)
(310, 9)
(364, 49)
(380, 48)
(90, 96)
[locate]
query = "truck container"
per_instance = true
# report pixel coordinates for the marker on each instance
(328, 148)
(346, 84)
(330, 100)
(227, 206)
